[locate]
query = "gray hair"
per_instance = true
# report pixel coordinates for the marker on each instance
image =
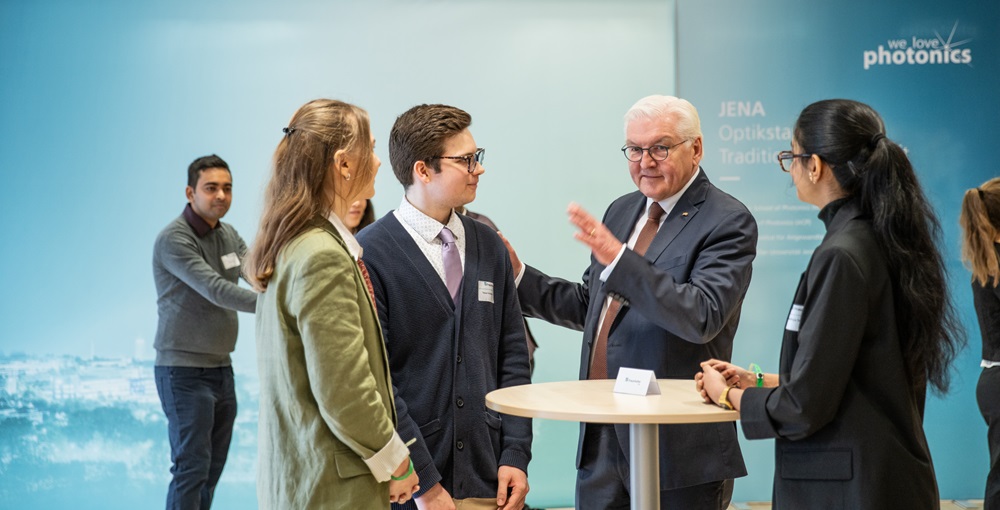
(652, 107)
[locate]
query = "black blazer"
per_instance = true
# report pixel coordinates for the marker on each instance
(847, 420)
(681, 305)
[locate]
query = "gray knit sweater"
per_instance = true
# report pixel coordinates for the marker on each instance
(198, 294)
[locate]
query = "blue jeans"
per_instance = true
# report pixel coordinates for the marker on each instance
(200, 404)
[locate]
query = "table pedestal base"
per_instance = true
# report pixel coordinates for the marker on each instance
(644, 482)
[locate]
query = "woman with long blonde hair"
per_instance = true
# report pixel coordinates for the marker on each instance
(980, 220)
(327, 421)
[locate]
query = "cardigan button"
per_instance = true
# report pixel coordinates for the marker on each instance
(459, 358)
(460, 403)
(460, 445)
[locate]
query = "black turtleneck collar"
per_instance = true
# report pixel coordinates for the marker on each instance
(830, 210)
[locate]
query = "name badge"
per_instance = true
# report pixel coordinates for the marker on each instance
(485, 291)
(635, 381)
(794, 318)
(230, 261)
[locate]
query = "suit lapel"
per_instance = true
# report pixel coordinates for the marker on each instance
(682, 213)
(621, 225)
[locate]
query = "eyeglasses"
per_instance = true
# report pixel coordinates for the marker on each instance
(657, 152)
(790, 157)
(470, 160)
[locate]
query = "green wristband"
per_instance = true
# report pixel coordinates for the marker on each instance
(760, 374)
(405, 475)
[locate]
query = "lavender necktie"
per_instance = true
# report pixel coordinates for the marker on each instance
(452, 263)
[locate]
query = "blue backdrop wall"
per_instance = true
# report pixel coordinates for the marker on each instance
(104, 103)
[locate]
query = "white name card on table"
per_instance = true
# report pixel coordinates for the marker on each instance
(634, 381)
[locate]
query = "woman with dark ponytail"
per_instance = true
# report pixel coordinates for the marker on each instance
(870, 328)
(980, 221)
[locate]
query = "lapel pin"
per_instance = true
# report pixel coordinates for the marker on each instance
(684, 214)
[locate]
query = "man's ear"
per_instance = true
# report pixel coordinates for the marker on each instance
(696, 149)
(189, 193)
(422, 172)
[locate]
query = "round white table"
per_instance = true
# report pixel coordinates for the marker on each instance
(595, 402)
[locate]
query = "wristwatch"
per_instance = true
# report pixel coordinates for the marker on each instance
(724, 399)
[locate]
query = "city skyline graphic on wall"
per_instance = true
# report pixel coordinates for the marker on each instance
(89, 432)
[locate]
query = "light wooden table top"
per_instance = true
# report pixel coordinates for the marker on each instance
(595, 402)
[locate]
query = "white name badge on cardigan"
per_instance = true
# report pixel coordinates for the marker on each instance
(486, 291)
(794, 318)
(230, 261)
(635, 381)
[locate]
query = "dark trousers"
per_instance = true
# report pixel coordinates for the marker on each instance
(988, 396)
(602, 482)
(200, 404)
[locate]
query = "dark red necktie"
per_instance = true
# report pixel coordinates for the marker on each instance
(599, 368)
(368, 282)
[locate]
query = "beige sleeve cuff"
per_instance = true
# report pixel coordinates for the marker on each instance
(386, 460)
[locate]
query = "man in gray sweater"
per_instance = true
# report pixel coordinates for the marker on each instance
(196, 263)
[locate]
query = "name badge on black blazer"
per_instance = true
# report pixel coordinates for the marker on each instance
(794, 318)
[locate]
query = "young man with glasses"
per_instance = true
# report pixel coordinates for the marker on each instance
(671, 266)
(444, 291)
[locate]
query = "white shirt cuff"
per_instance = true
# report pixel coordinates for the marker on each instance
(520, 274)
(386, 460)
(611, 267)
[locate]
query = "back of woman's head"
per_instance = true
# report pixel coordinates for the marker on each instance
(299, 188)
(980, 220)
(876, 174)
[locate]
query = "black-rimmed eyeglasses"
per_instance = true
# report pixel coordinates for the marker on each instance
(471, 160)
(790, 157)
(633, 153)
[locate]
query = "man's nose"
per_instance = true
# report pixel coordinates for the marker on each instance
(647, 160)
(480, 169)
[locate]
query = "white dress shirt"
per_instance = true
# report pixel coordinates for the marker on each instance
(424, 230)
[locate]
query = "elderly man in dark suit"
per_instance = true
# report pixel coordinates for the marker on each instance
(670, 268)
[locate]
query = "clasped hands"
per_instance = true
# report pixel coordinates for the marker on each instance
(716, 375)
(400, 491)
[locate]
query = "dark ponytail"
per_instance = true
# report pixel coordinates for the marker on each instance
(876, 174)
